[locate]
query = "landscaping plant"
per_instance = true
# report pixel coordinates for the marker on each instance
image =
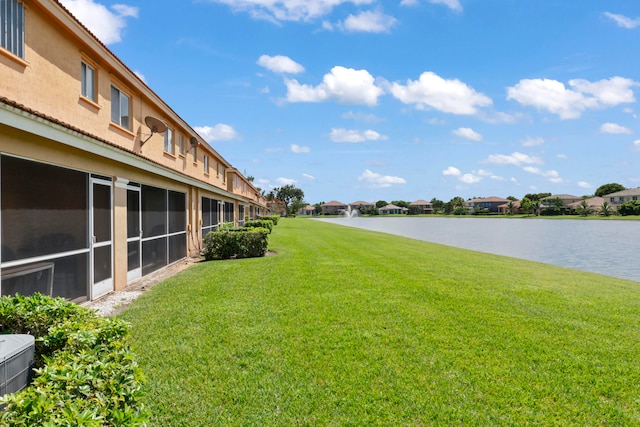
(86, 374)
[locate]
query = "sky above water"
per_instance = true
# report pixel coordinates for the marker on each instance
(373, 100)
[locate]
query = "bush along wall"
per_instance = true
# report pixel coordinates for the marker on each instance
(260, 223)
(236, 243)
(272, 218)
(85, 374)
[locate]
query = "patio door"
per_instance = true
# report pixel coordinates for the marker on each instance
(134, 234)
(101, 237)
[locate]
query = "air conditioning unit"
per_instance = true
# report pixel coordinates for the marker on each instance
(16, 360)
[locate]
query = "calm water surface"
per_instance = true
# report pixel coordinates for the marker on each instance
(605, 247)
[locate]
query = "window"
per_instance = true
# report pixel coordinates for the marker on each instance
(12, 26)
(206, 164)
(164, 225)
(634, 198)
(120, 107)
(88, 81)
(168, 141)
(180, 145)
(195, 154)
(210, 215)
(45, 221)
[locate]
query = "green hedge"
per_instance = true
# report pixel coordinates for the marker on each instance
(260, 223)
(272, 218)
(85, 372)
(236, 242)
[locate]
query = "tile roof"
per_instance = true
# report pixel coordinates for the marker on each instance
(625, 193)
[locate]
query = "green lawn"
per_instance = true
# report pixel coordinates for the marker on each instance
(351, 327)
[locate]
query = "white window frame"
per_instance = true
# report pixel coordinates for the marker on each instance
(169, 146)
(180, 145)
(205, 161)
(116, 107)
(87, 81)
(12, 38)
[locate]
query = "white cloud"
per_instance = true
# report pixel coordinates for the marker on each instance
(583, 184)
(451, 4)
(515, 158)
(623, 21)
(107, 25)
(354, 136)
(570, 103)
(469, 178)
(343, 85)
(562, 156)
(288, 10)
(636, 144)
(451, 171)
(532, 142)
(614, 128)
(140, 76)
(552, 175)
(220, 132)
(448, 96)
(369, 22)
(286, 181)
(297, 149)
(468, 133)
(309, 177)
(375, 180)
(280, 64)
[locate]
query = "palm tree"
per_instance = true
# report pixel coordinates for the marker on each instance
(510, 207)
(584, 209)
(606, 209)
(535, 206)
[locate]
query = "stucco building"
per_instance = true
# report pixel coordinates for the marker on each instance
(102, 182)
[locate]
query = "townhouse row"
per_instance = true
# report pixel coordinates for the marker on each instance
(101, 182)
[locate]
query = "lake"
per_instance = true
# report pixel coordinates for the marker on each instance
(606, 247)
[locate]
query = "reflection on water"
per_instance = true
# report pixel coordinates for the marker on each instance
(605, 247)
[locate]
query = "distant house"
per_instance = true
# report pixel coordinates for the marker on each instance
(392, 210)
(620, 197)
(595, 203)
(421, 207)
(363, 207)
(307, 211)
(487, 204)
(504, 208)
(567, 199)
(333, 208)
(277, 207)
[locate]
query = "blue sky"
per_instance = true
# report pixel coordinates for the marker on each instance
(396, 99)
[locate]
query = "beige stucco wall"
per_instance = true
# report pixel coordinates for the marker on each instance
(48, 81)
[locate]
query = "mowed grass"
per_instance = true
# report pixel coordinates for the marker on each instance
(345, 327)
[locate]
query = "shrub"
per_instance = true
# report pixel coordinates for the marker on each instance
(238, 243)
(632, 207)
(88, 375)
(272, 218)
(261, 223)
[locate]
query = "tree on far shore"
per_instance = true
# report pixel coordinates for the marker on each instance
(605, 189)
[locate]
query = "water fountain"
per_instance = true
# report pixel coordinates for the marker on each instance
(350, 213)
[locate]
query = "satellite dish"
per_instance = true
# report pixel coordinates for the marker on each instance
(156, 126)
(194, 141)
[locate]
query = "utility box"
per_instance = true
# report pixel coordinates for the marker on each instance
(16, 360)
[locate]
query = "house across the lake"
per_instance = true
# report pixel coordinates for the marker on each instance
(620, 197)
(485, 204)
(102, 181)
